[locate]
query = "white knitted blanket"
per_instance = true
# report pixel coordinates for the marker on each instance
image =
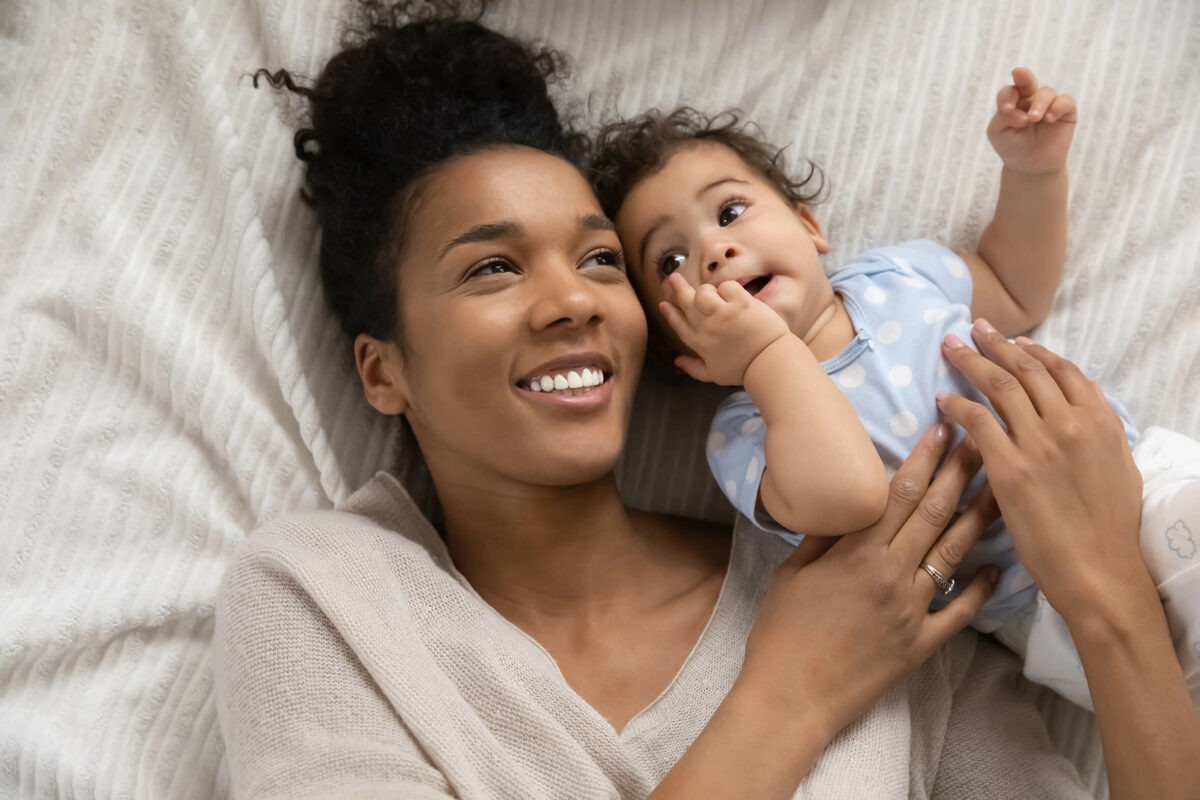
(169, 377)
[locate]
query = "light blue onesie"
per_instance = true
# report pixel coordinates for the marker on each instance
(902, 300)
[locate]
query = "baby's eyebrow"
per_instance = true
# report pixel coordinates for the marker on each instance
(717, 183)
(658, 222)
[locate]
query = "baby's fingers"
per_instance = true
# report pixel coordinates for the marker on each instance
(1007, 111)
(1062, 109)
(1025, 81)
(1040, 101)
(685, 295)
(678, 322)
(694, 367)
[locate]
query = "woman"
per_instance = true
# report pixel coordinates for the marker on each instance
(549, 642)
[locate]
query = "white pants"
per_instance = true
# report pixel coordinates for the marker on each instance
(1170, 540)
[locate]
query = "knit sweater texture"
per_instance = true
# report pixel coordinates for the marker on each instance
(353, 660)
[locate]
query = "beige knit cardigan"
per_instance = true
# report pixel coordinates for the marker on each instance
(353, 660)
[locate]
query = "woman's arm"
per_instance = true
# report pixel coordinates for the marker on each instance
(772, 727)
(1066, 483)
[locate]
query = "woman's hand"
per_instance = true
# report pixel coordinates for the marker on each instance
(844, 620)
(1062, 473)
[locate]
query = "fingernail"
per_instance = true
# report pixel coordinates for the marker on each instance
(1023, 341)
(983, 326)
(993, 574)
(941, 432)
(1008, 106)
(940, 398)
(1034, 114)
(952, 342)
(1049, 118)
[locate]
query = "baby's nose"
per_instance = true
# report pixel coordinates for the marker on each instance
(729, 253)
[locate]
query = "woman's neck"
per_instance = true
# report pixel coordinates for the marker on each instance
(549, 551)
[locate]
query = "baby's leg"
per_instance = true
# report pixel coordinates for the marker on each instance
(1170, 537)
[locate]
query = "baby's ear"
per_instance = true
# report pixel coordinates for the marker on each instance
(381, 367)
(813, 227)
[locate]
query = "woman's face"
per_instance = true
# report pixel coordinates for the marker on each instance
(511, 284)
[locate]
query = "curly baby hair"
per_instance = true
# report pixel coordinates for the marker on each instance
(626, 151)
(415, 85)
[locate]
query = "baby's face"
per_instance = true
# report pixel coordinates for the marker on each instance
(711, 218)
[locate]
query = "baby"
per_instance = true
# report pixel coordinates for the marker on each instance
(840, 376)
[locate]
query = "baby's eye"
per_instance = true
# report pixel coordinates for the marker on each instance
(491, 268)
(671, 262)
(731, 212)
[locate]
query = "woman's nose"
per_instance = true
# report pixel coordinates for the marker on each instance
(564, 296)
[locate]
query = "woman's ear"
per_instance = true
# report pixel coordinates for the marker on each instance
(381, 367)
(814, 228)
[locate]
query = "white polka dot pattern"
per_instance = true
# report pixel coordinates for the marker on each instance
(751, 425)
(889, 332)
(904, 424)
(852, 376)
(900, 376)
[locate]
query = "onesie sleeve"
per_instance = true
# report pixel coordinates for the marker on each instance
(937, 264)
(737, 456)
(920, 262)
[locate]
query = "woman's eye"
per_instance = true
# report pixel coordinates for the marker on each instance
(606, 258)
(491, 268)
(731, 212)
(671, 262)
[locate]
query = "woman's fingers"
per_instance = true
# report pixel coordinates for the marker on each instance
(910, 481)
(937, 506)
(1039, 385)
(1073, 384)
(979, 423)
(941, 625)
(1005, 392)
(947, 553)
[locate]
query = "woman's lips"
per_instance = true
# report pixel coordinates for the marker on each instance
(579, 399)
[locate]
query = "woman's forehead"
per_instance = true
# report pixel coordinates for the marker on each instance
(537, 191)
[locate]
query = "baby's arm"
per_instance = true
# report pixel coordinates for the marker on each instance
(822, 475)
(1019, 262)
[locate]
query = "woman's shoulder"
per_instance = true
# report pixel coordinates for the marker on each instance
(379, 517)
(376, 541)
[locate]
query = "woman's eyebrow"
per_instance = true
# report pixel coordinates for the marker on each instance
(483, 233)
(596, 222)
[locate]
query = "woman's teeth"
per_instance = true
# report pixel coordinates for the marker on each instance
(570, 383)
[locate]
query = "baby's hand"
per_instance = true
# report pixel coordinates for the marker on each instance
(1033, 126)
(723, 325)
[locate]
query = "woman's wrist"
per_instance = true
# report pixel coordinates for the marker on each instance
(753, 746)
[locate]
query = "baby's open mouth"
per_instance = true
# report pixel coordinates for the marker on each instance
(756, 285)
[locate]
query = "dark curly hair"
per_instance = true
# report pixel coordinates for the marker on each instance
(626, 151)
(416, 84)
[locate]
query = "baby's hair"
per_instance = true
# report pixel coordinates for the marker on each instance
(629, 150)
(415, 85)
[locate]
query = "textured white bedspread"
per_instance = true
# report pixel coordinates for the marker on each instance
(169, 377)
